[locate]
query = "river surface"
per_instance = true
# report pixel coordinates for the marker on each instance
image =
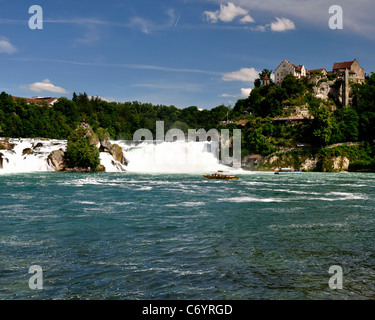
(171, 236)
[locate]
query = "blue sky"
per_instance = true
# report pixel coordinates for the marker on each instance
(173, 52)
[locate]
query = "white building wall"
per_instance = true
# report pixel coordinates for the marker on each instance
(282, 70)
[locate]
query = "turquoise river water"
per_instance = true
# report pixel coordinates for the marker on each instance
(143, 236)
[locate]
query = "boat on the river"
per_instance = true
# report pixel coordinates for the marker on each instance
(220, 175)
(287, 171)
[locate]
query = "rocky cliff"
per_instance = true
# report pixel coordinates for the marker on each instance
(300, 161)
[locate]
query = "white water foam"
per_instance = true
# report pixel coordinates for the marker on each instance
(171, 157)
(166, 157)
(110, 164)
(186, 204)
(250, 199)
(14, 161)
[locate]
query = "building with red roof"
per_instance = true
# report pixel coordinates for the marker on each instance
(356, 72)
(38, 100)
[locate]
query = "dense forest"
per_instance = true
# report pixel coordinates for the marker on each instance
(121, 120)
(332, 123)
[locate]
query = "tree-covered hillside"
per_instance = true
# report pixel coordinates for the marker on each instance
(329, 121)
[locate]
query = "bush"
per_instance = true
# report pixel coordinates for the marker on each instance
(322, 80)
(362, 166)
(331, 77)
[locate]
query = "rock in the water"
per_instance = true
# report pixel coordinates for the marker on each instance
(38, 146)
(101, 168)
(6, 145)
(1, 160)
(118, 154)
(27, 151)
(114, 149)
(57, 159)
(105, 145)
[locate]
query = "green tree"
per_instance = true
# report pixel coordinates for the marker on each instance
(322, 126)
(6, 103)
(292, 85)
(265, 73)
(364, 105)
(272, 104)
(254, 101)
(68, 108)
(348, 121)
(180, 125)
(268, 127)
(256, 142)
(82, 150)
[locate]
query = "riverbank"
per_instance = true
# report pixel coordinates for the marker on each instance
(355, 157)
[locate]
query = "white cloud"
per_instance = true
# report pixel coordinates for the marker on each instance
(104, 99)
(282, 24)
(6, 46)
(226, 95)
(170, 86)
(261, 28)
(143, 25)
(247, 19)
(245, 92)
(211, 16)
(358, 15)
(244, 74)
(136, 22)
(45, 85)
(228, 13)
(147, 26)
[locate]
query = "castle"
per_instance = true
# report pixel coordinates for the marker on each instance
(355, 72)
(345, 72)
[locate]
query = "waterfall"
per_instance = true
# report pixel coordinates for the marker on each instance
(18, 160)
(170, 157)
(31, 155)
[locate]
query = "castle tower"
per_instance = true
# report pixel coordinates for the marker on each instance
(265, 81)
(345, 89)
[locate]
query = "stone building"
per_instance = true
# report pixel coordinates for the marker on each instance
(354, 70)
(317, 74)
(286, 68)
(346, 72)
(321, 72)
